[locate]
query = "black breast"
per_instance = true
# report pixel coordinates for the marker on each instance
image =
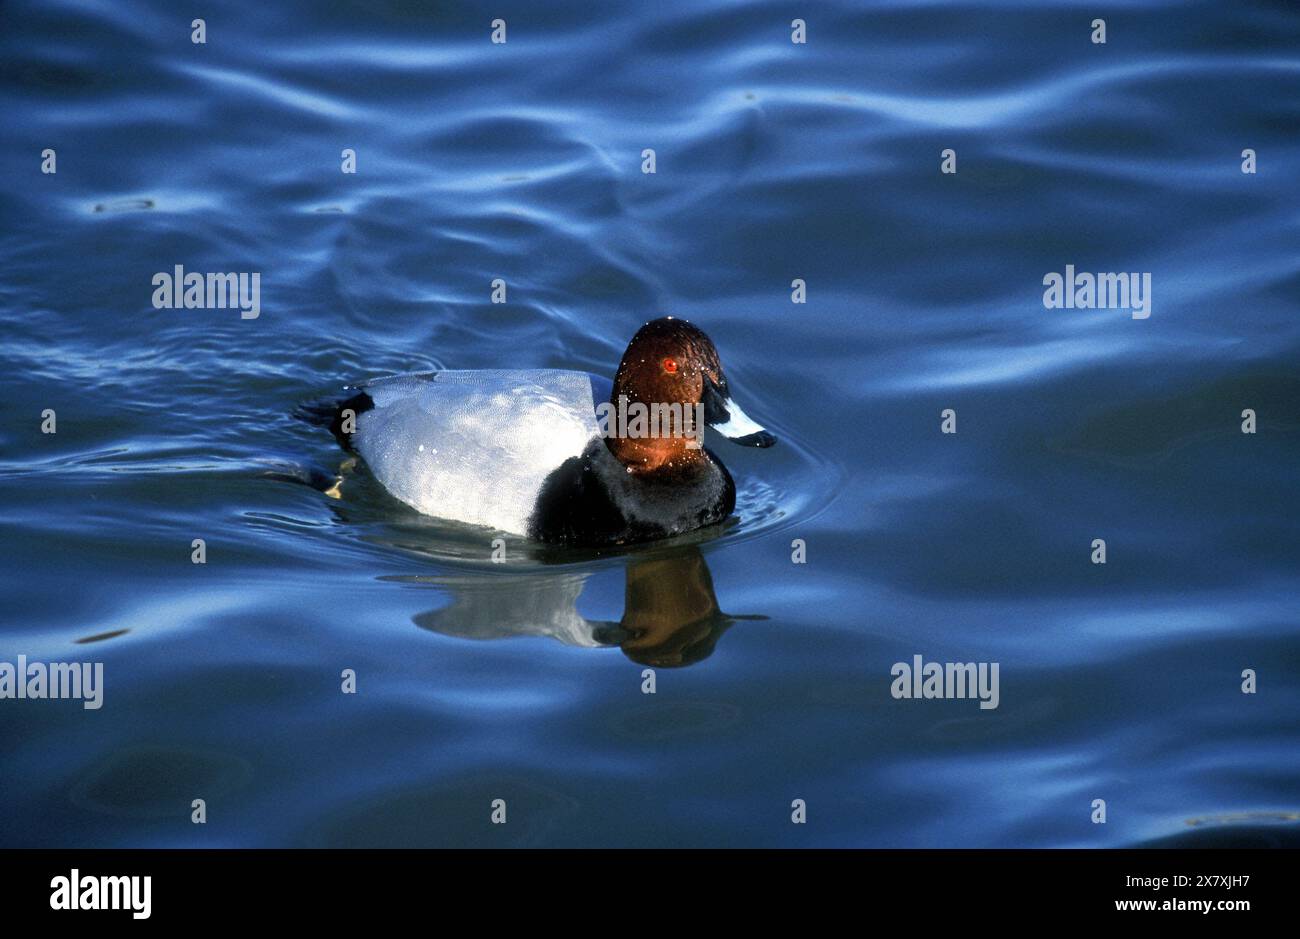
(575, 505)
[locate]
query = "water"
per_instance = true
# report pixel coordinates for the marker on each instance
(774, 161)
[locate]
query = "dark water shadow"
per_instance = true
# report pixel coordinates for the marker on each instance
(671, 617)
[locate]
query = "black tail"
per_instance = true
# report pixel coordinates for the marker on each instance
(338, 415)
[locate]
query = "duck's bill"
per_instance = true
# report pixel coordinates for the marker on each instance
(725, 416)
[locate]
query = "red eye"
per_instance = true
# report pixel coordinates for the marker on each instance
(670, 365)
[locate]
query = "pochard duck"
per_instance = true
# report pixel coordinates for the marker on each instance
(563, 457)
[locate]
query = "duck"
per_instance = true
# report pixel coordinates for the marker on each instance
(559, 456)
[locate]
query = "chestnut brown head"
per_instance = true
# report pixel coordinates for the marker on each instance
(673, 362)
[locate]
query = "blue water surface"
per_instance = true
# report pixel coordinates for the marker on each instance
(774, 161)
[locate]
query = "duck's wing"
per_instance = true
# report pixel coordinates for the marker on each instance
(473, 446)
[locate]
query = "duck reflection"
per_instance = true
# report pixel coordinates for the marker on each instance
(670, 612)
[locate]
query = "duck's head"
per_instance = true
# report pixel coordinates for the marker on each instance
(673, 362)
